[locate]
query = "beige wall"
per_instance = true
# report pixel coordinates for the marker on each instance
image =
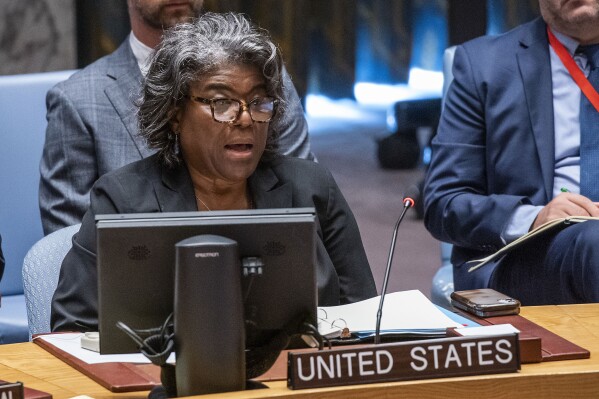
(37, 36)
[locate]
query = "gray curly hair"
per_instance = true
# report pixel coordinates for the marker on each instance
(189, 51)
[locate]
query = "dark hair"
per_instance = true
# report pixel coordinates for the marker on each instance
(189, 51)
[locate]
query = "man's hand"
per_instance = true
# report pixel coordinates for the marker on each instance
(564, 205)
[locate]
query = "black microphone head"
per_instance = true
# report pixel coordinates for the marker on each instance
(412, 195)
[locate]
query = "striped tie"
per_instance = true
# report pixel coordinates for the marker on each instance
(589, 131)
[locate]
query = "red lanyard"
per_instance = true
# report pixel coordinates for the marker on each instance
(576, 73)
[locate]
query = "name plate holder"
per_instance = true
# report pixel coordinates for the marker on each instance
(404, 361)
(11, 390)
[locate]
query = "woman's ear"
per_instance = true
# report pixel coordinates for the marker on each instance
(175, 116)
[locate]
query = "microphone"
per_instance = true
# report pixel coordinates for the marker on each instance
(408, 202)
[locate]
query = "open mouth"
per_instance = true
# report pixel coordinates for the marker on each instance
(239, 147)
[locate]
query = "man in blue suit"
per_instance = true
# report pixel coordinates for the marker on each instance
(92, 127)
(508, 147)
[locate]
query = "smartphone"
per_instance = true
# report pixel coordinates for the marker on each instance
(485, 302)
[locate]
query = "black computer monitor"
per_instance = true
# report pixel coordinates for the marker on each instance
(136, 267)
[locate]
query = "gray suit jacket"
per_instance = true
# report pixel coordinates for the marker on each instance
(343, 272)
(92, 129)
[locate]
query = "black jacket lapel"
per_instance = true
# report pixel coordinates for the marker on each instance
(268, 191)
(175, 191)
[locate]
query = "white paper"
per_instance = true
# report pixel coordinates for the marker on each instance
(71, 343)
(402, 310)
(497, 329)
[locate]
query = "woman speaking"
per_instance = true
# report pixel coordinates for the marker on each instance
(211, 105)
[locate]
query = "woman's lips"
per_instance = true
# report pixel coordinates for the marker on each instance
(239, 147)
(240, 151)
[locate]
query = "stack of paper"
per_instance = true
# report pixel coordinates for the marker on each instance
(551, 225)
(405, 314)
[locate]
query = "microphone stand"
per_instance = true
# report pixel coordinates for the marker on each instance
(407, 203)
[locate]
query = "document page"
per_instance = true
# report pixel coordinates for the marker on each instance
(71, 343)
(403, 311)
(550, 225)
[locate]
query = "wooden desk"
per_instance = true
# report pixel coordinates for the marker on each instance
(37, 369)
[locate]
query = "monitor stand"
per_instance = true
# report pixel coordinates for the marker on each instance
(209, 322)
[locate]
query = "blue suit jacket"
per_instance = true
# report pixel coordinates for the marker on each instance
(92, 130)
(495, 145)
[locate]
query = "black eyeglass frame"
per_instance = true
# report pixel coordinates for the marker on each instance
(243, 106)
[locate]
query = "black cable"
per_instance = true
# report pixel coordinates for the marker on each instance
(132, 334)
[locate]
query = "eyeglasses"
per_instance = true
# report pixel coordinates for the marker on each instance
(228, 110)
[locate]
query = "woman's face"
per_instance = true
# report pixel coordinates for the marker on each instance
(225, 152)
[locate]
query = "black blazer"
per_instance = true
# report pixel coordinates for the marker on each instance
(343, 272)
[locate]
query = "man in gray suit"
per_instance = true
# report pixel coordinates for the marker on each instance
(92, 125)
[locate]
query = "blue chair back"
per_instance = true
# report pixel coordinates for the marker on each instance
(40, 276)
(447, 68)
(22, 128)
(443, 279)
